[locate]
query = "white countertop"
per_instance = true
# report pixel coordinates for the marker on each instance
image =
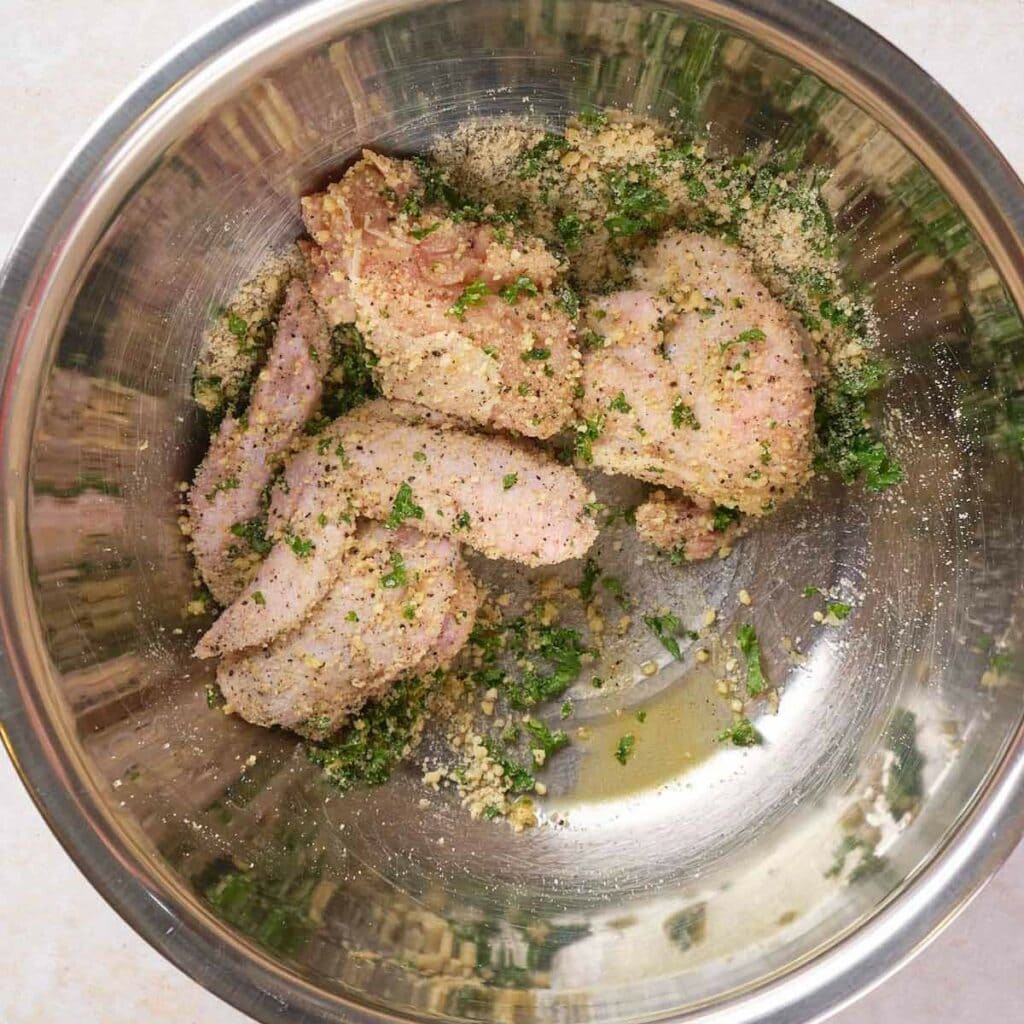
(67, 956)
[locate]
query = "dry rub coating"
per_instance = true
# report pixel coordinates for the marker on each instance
(390, 463)
(362, 637)
(699, 380)
(244, 452)
(461, 315)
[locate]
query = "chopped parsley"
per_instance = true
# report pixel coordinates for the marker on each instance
(634, 204)
(398, 576)
(591, 574)
(229, 483)
(838, 610)
(847, 445)
(351, 617)
(472, 295)
(811, 591)
(587, 433)
(619, 403)
(624, 748)
(570, 231)
(641, 716)
(748, 643)
(590, 339)
(565, 711)
(403, 508)
(568, 301)
(683, 416)
(665, 627)
(544, 739)
(509, 480)
(536, 354)
(723, 517)
(302, 547)
(520, 779)
(522, 285)
(743, 338)
(462, 521)
(542, 154)
(349, 379)
(254, 533)
(560, 647)
(419, 456)
(237, 326)
(367, 750)
(741, 734)
(258, 598)
(592, 119)
(420, 233)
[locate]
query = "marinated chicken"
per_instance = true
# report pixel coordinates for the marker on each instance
(698, 379)
(244, 453)
(462, 315)
(405, 604)
(386, 461)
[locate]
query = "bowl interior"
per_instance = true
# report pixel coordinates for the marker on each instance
(720, 870)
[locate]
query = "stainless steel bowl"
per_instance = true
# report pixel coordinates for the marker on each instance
(718, 893)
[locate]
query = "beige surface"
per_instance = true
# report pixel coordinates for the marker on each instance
(67, 957)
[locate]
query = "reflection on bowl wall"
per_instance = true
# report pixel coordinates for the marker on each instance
(762, 885)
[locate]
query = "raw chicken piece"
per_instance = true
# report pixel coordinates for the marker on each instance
(391, 462)
(244, 453)
(676, 524)
(405, 604)
(702, 382)
(461, 315)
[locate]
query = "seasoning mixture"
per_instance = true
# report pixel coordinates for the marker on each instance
(463, 351)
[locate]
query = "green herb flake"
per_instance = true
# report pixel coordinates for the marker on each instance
(420, 456)
(811, 591)
(743, 338)
(253, 532)
(302, 547)
(838, 610)
(229, 483)
(565, 711)
(403, 508)
(509, 480)
(641, 717)
(237, 326)
(619, 403)
(570, 231)
(398, 576)
(366, 751)
(723, 517)
(591, 573)
(522, 285)
(472, 295)
(624, 748)
(536, 354)
(635, 205)
(544, 739)
(420, 233)
(748, 643)
(664, 627)
(351, 617)
(542, 155)
(462, 521)
(587, 433)
(741, 734)
(683, 416)
(258, 598)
